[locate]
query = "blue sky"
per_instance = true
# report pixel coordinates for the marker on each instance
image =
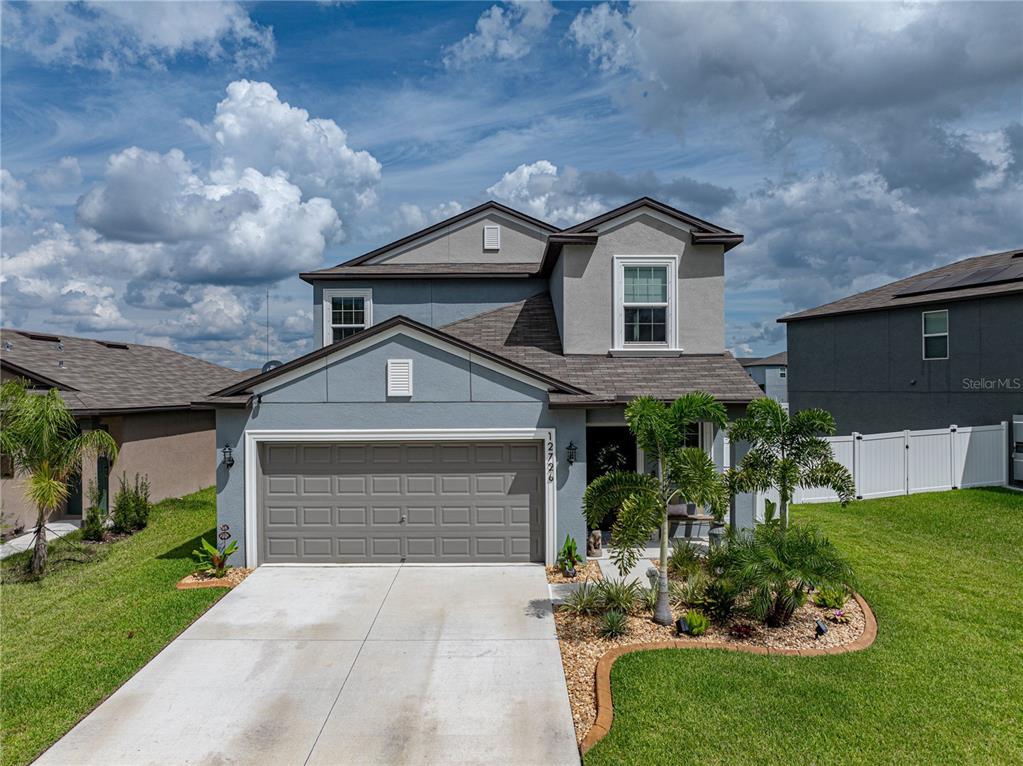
(164, 164)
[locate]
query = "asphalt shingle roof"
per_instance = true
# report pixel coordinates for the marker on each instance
(116, 376)
(433, 270)
(526, 332)
(781, 358)
(893, 295)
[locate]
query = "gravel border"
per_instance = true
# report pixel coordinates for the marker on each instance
(201, 580)
(587, 658)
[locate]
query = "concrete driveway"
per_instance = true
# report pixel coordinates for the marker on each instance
(348, 665)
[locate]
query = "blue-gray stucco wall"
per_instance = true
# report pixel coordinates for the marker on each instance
(433, 302)
(867, 369)
(449, 392)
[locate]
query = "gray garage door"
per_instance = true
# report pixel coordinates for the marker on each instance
(386, 502)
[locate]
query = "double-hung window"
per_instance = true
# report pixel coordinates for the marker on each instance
(345, 312)
(935, 334)
(645, 310)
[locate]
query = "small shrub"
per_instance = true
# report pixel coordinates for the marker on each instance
(719, 598)
(831, 598)
(689, 593)
(95, 521)
(683, 561)
(741, 630)
(618, 595)
(569, 555)
(839, 617)
(650, 599)
(584, 600)
(214, 559)
(131, 504)
(614, 624)
(698, 622)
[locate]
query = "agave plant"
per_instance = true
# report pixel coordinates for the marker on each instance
(639, 502)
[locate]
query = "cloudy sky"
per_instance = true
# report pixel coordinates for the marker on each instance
(164, 165)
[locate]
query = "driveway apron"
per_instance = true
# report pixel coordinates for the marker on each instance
(348, 665)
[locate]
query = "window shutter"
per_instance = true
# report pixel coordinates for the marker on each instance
(491, 237)
(399, 377)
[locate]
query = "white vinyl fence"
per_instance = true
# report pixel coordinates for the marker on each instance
(904, 462)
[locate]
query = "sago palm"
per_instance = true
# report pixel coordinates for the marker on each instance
(684, 474)
(786, 452)
(45, 446)
(776, 566)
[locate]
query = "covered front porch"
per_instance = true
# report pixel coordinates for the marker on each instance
(610, 446)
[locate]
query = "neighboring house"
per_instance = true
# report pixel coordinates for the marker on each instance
(936, 349)
(770, 373)
(467, 375)
(142, 395)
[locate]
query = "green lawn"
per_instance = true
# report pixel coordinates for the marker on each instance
(99, 615)
(943, 683)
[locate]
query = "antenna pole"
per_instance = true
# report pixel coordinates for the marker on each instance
(268, 324)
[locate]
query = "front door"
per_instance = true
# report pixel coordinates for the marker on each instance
(609, 448)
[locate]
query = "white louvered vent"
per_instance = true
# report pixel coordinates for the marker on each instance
(399, 377)
(492, 237)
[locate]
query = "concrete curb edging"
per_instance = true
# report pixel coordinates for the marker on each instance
(605, 709)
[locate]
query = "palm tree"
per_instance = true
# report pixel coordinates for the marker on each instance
(788, 452)
(684, 474)
(40, 436)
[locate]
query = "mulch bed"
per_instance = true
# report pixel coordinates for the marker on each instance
(588, 571)
(582, 646)
(206, 579)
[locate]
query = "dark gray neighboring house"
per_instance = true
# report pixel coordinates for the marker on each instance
(940, 348)
(770, 373)
(469, 380)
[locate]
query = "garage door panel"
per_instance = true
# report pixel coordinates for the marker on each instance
(317, 517)
(282, 516)
(489, 515)
(282, 485)
(316, 485)
(421, 485)
(455, 515)
(351, 485)
(440, 502)
(385, 485)
(421, 516)
(490, 484)
(455, 485)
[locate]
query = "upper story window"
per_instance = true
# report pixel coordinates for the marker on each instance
(645, 303)
(345, 312)
(935, 334)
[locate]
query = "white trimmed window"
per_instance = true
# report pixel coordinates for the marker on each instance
(345, 312)
(646, 309)
(935, 334)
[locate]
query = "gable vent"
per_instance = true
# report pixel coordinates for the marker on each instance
(399, 377)
(492, 237)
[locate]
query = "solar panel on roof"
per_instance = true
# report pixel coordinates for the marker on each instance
(991, 275)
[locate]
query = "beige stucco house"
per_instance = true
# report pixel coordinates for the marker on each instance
(148, 398)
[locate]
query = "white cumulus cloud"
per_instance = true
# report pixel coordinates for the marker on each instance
(115, 35)
(253, 128)
(503, 32)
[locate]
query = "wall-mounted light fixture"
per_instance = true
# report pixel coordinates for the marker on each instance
(228, 458)
(570, 452)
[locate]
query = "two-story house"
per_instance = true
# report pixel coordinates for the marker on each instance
(940, 348)
(770, 373)
(470, 378)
